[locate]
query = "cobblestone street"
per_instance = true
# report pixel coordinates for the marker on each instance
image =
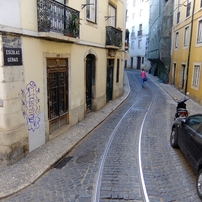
(167, 175)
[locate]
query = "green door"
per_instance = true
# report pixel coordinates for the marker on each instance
(109, 90)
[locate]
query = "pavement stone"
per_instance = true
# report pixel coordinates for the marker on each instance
(29, 169)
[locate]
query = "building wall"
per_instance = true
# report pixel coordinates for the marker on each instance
(138, 13)
(195, 57)
(160, 23)
(189, 55)
(24, 122)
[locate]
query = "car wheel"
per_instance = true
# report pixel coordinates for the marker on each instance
(199, 184)
(173, 138)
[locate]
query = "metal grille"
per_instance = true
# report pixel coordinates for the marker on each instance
(56, 17)
(113, 36)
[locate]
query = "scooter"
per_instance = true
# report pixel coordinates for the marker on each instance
(181, 110)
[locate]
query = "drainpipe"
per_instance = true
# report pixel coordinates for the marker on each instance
(189, 50)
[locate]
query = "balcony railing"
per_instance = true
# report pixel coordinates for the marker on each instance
(56, 17)
(113, 36)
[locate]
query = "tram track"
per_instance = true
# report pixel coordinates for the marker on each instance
(96, 193)
(125, 158)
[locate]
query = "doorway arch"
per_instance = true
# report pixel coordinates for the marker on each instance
(90, 81)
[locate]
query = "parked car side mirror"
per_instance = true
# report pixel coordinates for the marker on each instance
(183, 121)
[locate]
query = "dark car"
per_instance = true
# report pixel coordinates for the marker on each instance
(187, 135)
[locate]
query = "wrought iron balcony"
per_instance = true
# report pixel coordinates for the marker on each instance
(113, 36)
(56, 17)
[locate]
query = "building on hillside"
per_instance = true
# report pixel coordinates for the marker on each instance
(137, 24)
(186, 60)
(160, 26)
(59, 60)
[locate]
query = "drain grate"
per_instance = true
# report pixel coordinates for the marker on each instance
(63, 162)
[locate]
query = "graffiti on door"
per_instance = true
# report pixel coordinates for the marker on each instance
(30, 105)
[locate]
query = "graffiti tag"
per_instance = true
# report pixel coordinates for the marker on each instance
(30, 106)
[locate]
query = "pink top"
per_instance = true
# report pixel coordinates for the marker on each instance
(143, 74)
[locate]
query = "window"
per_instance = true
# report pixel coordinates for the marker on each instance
(139, 33)
(201, 4)
(186, 30)
(194, 121)
(141, 12)
(133, 17)
(134, 3)
(199, 37)
(91, 10)
(176, 39)
(142, 60)
(140, 44)
(188, 8)
(112, 14)
(178, 17)
(117, 70)
(196, 75)
(132, 45)
(133, 33)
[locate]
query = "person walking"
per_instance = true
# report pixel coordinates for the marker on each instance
(143, 76)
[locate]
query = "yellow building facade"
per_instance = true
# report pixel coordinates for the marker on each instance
(59, 61)
(185, 71)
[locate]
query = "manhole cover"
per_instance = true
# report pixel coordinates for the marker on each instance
(63, 162)
(86, 158)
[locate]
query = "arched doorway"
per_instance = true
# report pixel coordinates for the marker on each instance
(90, 81)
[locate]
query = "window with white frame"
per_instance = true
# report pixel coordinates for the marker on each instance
(186, 32)
(133, 16)
(188, 8)
(132, 45)
(134, 3)
(196, 75)
(112, 16)
(91, 10)
(199, 35)
(178, 11)
(140, 44)
(141, 12)
(176, 39)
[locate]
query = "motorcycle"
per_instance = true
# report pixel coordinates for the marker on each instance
(181, 110)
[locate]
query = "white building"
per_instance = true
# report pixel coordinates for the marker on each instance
(138, 26)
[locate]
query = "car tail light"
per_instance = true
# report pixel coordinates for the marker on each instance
(182, 113)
